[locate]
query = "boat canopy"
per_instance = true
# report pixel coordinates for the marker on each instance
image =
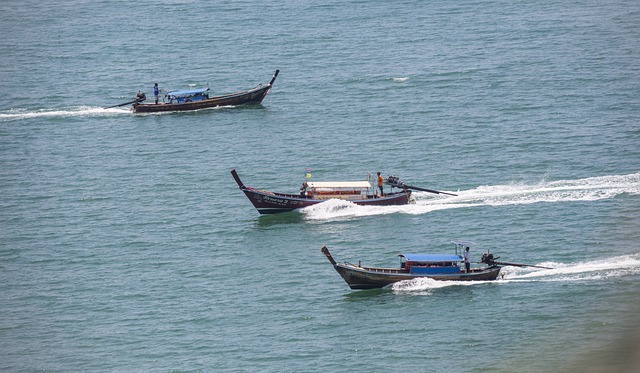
(339, 184)
(189, 93)
(431, 258)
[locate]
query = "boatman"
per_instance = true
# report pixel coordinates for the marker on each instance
(467, 263)
(156, 92)
(380, 181)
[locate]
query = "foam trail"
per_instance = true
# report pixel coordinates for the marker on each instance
(428, 284)
(337, 209)
(588, 189)
(590, 270)
(80, 111)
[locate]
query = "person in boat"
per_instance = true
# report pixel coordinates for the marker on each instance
(303, 189)
(380, 181)
(156, 92)
(467, 263)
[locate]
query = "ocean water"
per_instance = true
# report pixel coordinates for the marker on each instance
(126, 246)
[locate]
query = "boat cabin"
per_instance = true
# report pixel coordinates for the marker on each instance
(180, 97)
(346, 190)
(431, 263)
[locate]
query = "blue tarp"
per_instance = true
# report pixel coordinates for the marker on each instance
(434, 270)
(432, 257)
(193, 92)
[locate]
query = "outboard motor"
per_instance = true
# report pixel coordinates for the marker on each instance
(488, 258)
(394, 181)
(141, 97)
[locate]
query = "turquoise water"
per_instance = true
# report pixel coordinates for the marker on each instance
(125, 244)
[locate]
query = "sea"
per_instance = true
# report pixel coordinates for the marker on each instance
(127, 246)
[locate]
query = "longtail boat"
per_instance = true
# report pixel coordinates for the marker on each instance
(197, 99)
(443, 267)
(313, 192)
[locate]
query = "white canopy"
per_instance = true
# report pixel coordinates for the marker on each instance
(339, 184)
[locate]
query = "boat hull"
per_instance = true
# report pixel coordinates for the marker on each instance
(250, 97)
(374, 278)
(271, 203)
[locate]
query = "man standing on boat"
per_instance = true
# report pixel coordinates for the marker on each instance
(156, 92)
(380, 181)
(467, 263)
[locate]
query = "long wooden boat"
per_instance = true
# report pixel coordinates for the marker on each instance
(199, 99)
(358, 192)
(443, 267)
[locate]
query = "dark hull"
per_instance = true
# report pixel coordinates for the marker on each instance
(374, 278)
(270, 203)
(251, 97)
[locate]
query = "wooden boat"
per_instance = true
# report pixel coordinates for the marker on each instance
(358, 192)
(441, 267)
(199, 99)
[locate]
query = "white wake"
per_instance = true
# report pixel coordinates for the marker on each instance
(588, 189)
(80, 111)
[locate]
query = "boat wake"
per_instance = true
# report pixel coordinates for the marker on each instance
(331, 207)
(588, 189)
(584, 271)
(80, 111)
(608, 268)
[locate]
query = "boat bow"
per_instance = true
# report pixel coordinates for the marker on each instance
(237, 178)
